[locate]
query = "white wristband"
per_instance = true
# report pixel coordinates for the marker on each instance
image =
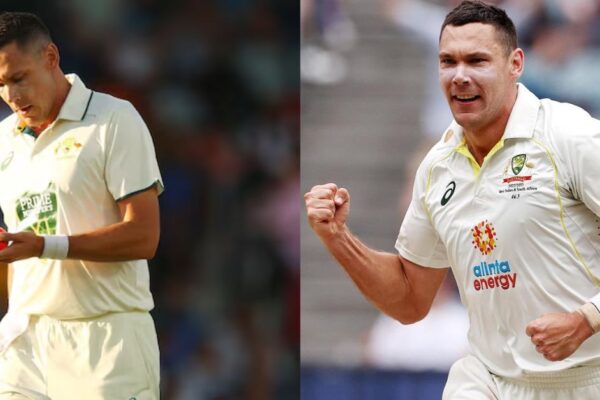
(591, 313)
(596, 301)
(55, 247)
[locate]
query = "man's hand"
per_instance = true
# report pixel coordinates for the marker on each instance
(24, 245)
(327, 208)
(557, 335)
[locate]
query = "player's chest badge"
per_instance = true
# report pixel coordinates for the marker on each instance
(67, 148)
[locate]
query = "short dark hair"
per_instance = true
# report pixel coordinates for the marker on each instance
(21, 27)
(471, 11)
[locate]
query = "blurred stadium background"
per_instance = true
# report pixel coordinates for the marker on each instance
(217, 82)
(371, 106)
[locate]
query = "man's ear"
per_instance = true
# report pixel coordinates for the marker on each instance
(51, 56)
(517, 62)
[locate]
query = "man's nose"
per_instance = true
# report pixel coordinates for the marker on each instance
(11, 94)
(461, 75)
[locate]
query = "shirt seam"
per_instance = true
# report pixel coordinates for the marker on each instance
(578, 255)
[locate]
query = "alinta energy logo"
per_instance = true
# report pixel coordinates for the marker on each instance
(490, 275)
(484, 237)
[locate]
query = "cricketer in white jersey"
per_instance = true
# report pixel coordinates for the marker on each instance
(509, 200)
(79, 182)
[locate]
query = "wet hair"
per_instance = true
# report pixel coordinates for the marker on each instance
(22, 28)
(472, 11)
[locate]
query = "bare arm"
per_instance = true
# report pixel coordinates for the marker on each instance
(134, 237)
(396, 286)
(9, 274)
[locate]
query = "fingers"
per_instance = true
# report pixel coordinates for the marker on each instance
(552, 350)
(319, 204)
(7, 237)
(323, 203)
(331, 186)
(532, 328)
(537, 340)
(22, 245)
(8, 255)
(325, 197)
(551, 336)
(342, 196)
(326, 191)
(320, 210)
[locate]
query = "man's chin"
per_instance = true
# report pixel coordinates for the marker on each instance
(467, 120)
(31, 122)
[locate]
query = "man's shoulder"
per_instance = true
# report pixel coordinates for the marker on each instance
(106, 105)
(441, 150)
(7, 125)
(566, 120)
(109, 102)
(117, 114)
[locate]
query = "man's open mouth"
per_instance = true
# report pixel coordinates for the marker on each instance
(466, 98)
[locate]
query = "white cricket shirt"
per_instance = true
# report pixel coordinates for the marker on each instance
(521, 233)
(68, 181)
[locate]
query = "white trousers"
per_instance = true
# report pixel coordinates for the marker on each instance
(109, 357)
(470, 380)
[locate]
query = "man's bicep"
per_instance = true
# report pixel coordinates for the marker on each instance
(141, 207)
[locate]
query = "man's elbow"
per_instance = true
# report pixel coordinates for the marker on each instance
(148, 253)
(149, 246)
(408, 316)
(409, 320)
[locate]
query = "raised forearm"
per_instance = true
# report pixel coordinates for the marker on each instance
(380, 276)
(396, 286)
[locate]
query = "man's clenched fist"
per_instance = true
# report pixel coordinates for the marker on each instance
(557, 335)
(327, 207)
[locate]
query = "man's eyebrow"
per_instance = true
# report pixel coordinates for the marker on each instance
(11, 76)
(482, 54)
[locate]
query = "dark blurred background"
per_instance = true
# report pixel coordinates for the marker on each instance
(217, 83)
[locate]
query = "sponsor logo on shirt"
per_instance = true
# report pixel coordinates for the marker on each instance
(484, 237)
(6, 162)
(490, 275)
(39, 210)
(448, 193)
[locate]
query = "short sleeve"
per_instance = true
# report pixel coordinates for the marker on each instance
(418, 241)
(131, 165)
(587, 170)
(578, 148)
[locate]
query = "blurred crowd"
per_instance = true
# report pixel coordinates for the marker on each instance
(217, 82)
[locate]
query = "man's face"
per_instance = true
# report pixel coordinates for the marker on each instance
(477, 75)
(26, 82)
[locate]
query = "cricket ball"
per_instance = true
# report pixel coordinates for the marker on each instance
(3, 244)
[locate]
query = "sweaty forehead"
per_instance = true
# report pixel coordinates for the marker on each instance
(474, 37)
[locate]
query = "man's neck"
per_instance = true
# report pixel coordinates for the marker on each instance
(481, 141)
(63, 87)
